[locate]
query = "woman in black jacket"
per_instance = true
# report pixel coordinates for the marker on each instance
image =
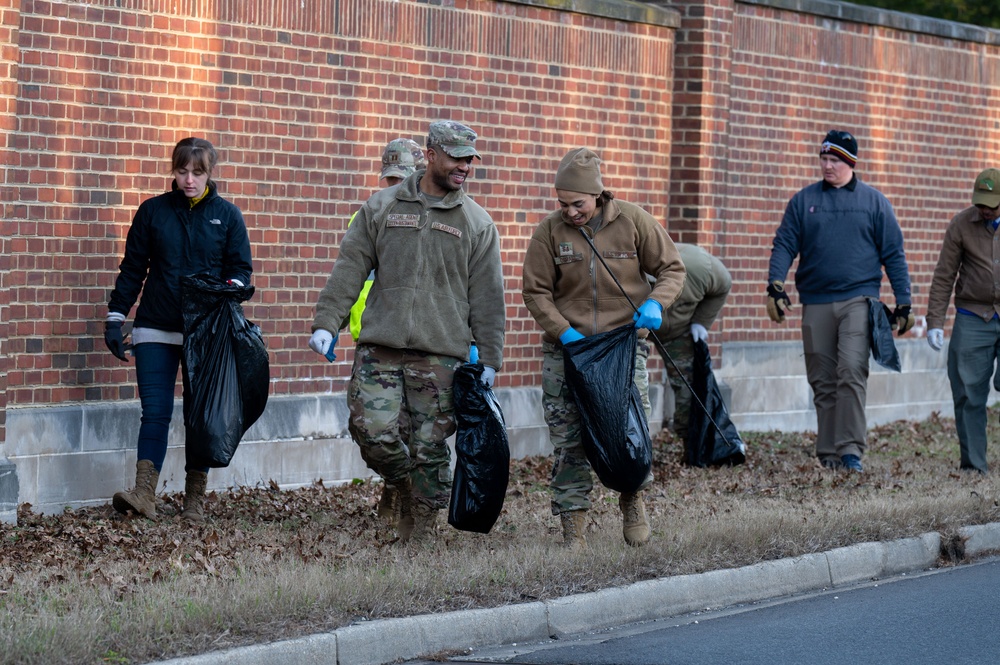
(188, 231)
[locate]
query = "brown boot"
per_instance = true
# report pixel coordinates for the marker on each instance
(635, 524)
(574, 526)
(404, 492)
(142, 499)
(388, 504)
(194, 496)
(424, 524)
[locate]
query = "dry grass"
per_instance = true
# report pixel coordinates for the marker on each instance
(92, 587)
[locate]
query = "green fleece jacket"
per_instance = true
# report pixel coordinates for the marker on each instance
(705, 291)
(438, 277)
(566, 285)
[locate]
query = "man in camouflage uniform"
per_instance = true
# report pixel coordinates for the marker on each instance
(571, 296)
(688, 320)
(438, 284)
(400, 158)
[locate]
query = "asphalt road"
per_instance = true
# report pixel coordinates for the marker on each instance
(946, 616)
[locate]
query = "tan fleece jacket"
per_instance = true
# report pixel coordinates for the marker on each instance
(566, 285)
(438, 277)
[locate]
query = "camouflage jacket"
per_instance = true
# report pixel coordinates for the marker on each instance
(706, 288)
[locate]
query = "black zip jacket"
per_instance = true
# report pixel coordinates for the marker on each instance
(167, 240)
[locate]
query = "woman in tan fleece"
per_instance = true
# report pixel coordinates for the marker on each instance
(572, 296)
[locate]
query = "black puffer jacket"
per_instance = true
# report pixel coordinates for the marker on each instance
(169, 239)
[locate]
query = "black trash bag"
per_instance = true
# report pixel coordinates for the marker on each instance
(705, 445)
(226, 369)
(880, 335)
(615, 433)
(482, 454)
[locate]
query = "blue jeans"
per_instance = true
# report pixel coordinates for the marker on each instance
(972, 356)
(156, 373)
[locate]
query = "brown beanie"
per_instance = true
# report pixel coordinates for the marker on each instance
(580, 171)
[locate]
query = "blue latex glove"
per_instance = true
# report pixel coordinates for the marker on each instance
(571, 335)
(473, 354)
(650, 315)
(488, 375)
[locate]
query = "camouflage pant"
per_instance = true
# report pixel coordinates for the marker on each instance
(681, 351)
(572, 479)
(394, 390)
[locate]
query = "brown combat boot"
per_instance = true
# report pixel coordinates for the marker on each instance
(635, 524)
(404, 493)
(142, 499)
(424, 524)
(194, 496)
(574, 526)
(388, 504)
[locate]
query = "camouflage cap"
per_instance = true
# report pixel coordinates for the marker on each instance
(454, 138)
(401, 158)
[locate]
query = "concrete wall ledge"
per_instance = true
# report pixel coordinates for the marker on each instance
(885, 17)
(651, 13)
(8, 491)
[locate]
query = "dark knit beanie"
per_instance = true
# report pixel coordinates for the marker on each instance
(841, 145)
(580, 171)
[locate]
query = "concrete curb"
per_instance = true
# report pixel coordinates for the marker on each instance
(390, 640)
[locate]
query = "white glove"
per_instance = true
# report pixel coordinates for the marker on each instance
(935, 337)
(320, 341)
(698, 332)
(488, 375)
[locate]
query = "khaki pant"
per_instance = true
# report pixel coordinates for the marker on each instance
(836, 345)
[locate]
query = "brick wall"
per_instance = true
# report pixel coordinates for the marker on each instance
(923, 106)
(9, 22)
(299, 97)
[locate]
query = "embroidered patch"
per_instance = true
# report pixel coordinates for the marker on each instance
(215, 221)
(438, 226)
(407, 221)
(565, 249)
(559, 260)
(619, 255)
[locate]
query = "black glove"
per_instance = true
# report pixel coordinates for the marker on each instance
(902, 319)
(776, 296)
(114, 339)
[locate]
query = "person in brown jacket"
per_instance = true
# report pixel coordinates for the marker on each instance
(571, 296)
(971, 251)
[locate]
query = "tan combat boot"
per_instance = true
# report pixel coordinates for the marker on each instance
(388, 504)
(404, 492)
(635, 524)
(574, 525)
(142, 499)
(194, 496)
(424, 524)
